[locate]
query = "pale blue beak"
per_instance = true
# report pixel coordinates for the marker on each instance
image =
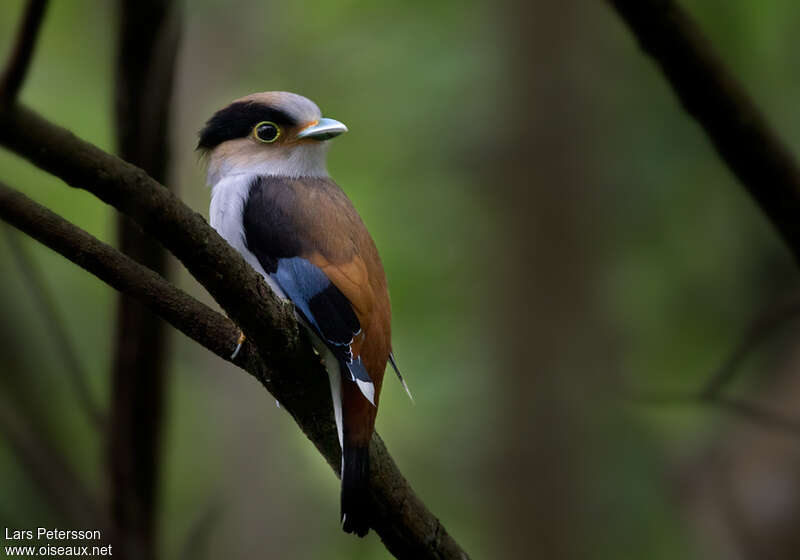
(325, 129)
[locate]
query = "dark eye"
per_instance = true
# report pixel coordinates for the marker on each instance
(266, 131)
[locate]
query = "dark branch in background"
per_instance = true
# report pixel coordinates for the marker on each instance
(742, 409)
(58, 330)
(756, 414)
(58, 484)
(20, 59)
(749, 147)
(406, 526)
(742, 137)
(147, 48)
(766, 324)
(198, 538)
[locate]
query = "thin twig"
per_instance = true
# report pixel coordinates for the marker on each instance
(196, 543)
(751, 412)
(757, 415)
(54, 321)
(20, 59)
(759, 330)
(767, 322)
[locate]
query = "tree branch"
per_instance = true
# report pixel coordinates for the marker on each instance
(195, 319)
(739, 132)
(753, 413)
(761, 328)
(764, 325)
(406, 526)
(20, 59)
(748, 146)
(767, 322)
(756, 414)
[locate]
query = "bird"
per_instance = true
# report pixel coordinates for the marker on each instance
(273, 201)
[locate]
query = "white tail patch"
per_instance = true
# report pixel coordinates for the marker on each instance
(408, 391)
(334, 378)
(367, 389)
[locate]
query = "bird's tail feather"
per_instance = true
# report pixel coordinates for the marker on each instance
(393, 361)
(355, 479)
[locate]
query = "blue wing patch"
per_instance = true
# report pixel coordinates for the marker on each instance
(271, 236)
(324, 307)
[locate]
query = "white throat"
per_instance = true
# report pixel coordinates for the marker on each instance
(305, 159)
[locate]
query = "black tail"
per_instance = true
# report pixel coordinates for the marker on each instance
(355, 478)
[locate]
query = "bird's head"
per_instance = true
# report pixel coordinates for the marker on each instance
(270, 133)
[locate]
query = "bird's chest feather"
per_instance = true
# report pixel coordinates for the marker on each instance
(229, 198)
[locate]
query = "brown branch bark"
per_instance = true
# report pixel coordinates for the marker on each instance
(20, 59)
(708, 91)
(188, 315)
(147, 47)
(406, 526)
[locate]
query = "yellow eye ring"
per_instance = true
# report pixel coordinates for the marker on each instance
(266, 132)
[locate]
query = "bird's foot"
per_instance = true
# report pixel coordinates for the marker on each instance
(239, 343)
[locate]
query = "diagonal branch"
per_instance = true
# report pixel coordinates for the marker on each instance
(738, 130)
(20, 59)
(756, 414)
(745, 142)
(762, 327)
(195, 319)
(406, 526)
(759, 330)
(742, 409)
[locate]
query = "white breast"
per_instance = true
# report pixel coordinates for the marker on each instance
(226, 214)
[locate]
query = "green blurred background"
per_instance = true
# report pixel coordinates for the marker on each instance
(557, 234)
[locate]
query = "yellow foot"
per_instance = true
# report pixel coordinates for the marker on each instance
(239, 343)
